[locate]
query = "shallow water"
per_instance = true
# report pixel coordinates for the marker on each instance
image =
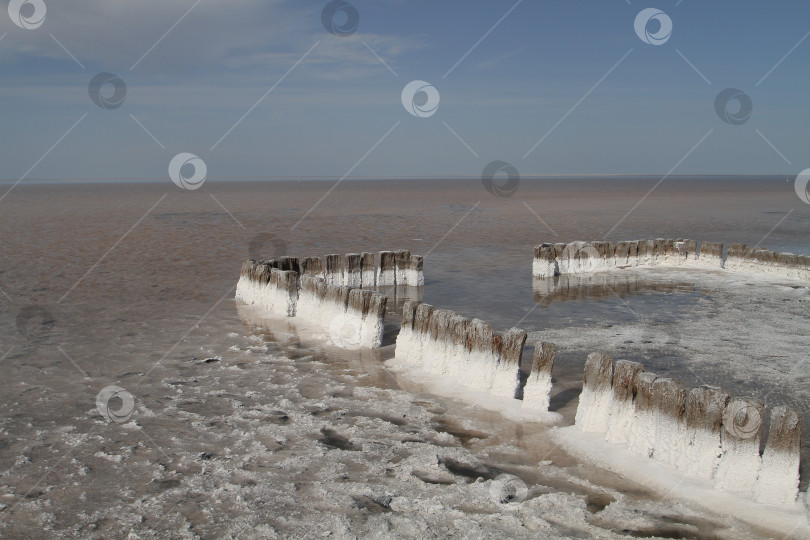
(142, 300)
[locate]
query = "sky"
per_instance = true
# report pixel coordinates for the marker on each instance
(264, 88)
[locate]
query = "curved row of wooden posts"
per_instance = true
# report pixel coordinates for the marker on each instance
(703, 432)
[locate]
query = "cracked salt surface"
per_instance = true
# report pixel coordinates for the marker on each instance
(284, 437)
(236, 448)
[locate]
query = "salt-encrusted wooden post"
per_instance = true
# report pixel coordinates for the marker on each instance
(459, 330)
(506, 379)
(537, 391)
(352, 276)
(350, 328)
(669, 399)
(625, 386)
(688, 250)
(406, 337)
(289, 264)
(308, 300)
(364, 317)
(544, 264)
(778, 481)
(480, 361)
(641, 440)
(386, 273)
(283, 298)
(374, 321)
(312, 266)
(421, 330)
(632, 254)
(245, 286)
(402, 264)
(414, 275)
(659, 251)
(740, 461)
(436, 354)
(700, 452)
(367, 277)
(711, 254)
(334, 271)
(622, 253)
(594, 400)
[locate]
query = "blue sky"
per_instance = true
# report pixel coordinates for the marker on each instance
(339, 109)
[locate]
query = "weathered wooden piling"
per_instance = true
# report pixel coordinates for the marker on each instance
(312, 266)
(669, 400)
(641, 439)
(386, 273)
(367, 276)
(334, 270)
(506, 377)
(740, 461)
(352, 275)
(778, 481)
(594, 400)
(625, 386)
(701, 447)
(537, 390)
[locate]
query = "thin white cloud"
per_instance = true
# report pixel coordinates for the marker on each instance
(239, 35)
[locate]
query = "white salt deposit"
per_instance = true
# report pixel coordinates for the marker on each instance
(543, 269)
(785, 521)
(386, 272)
(622, 411)
(700, 454)
(701, 449)
(641, 438)
(778, 481)
(582, 257)
(368, 278)
(669, 401)
(740, 460)
(593, 409)
(537, 390)
(444, 344)
(275, 296)
(506, 375)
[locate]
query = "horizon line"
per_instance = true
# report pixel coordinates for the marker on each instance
(391, 177)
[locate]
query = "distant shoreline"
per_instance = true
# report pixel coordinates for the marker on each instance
(295, 179)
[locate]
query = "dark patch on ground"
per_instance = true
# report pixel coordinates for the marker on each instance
(333, 439)
(469, 471)
(449, 426)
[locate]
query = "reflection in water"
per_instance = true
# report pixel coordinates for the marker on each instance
(601, 286)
